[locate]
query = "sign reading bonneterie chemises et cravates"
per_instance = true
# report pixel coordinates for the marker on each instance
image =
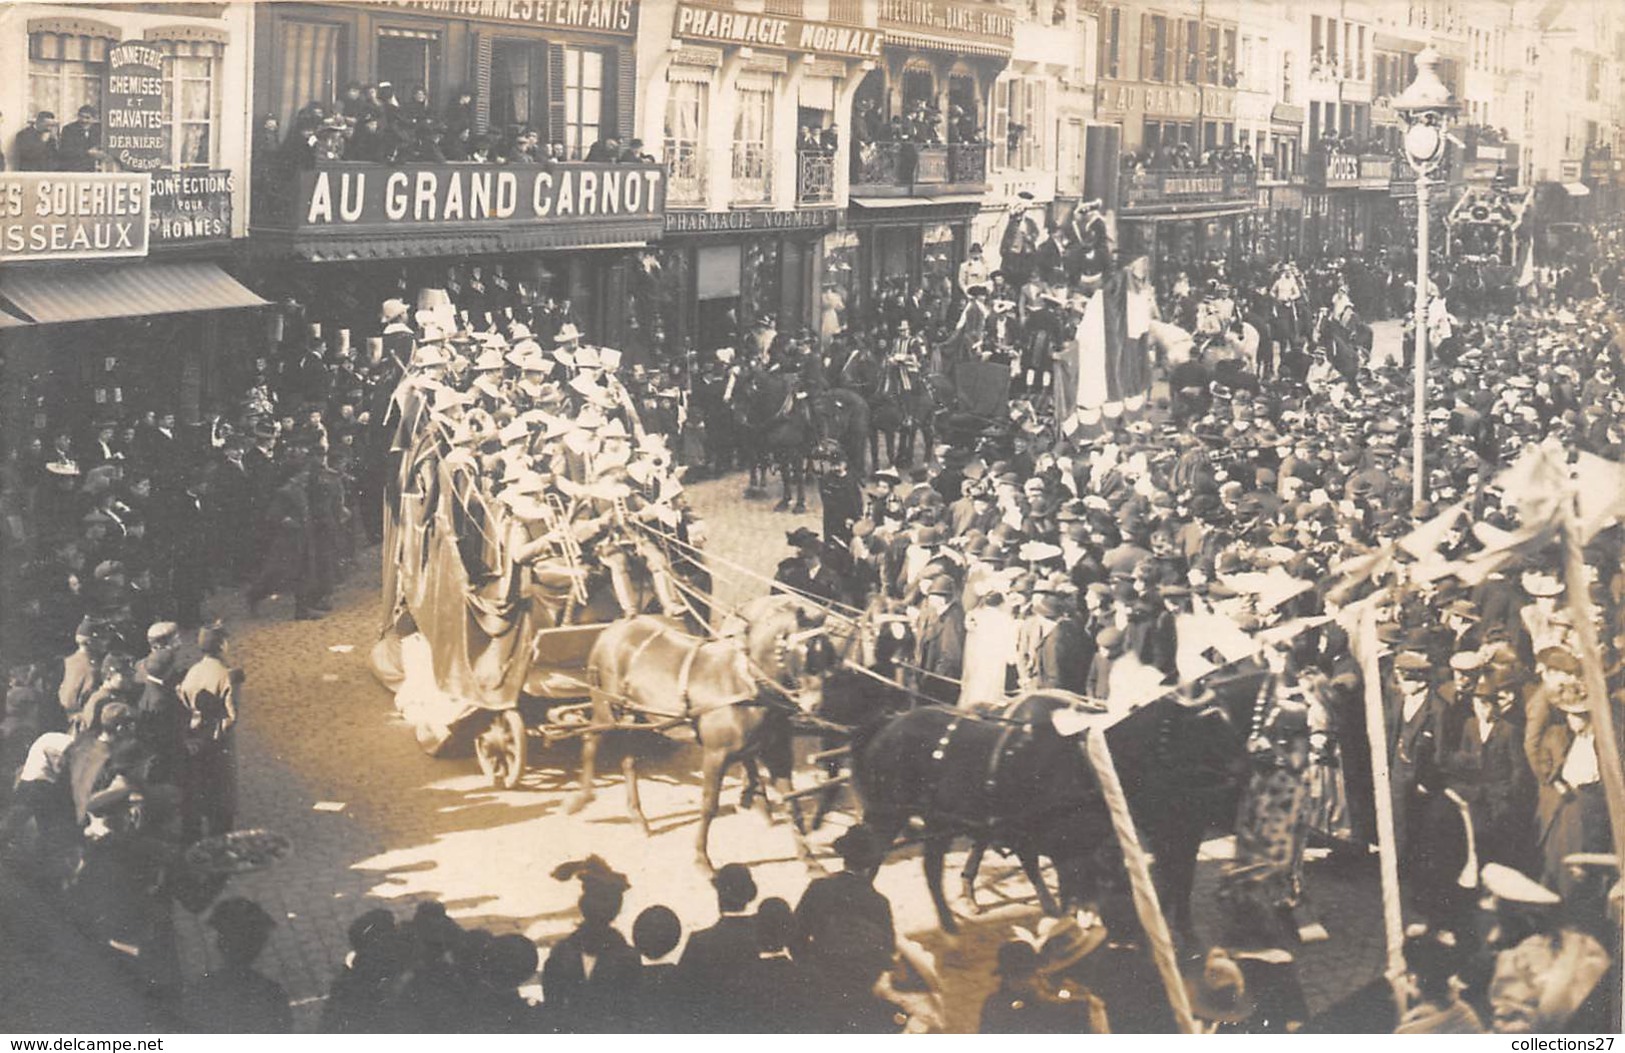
(73, 215)
(134, 131)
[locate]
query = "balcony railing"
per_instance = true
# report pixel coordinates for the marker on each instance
(911, 165)
(752, 182)
(685, 168)
(1186, 187)
(967, 162)
(815, 177)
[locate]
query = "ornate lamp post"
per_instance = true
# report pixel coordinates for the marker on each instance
(1425, 105)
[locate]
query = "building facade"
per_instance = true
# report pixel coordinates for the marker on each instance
(150, 216)
(345, 234)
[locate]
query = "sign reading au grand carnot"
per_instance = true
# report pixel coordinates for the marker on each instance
(73, 215)
(343, 195)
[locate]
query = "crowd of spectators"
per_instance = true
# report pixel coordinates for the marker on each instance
(1181, 157)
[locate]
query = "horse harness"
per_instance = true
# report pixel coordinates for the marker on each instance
(683, 671)
(1002, 748)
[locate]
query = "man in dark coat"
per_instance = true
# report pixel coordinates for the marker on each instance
(287, 562)
(717, 958)
(942, 641)
(37, 145)
(1488, 769)
(1415, 722)
(831, 903)
(329, 517)
(576, 998)
(1064, 652)
(840, 498)
(81, 142)
(808, 573)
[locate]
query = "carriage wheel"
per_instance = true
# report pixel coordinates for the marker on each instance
(500, 749)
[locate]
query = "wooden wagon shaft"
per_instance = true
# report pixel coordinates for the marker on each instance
(823, 755)
(839, 780)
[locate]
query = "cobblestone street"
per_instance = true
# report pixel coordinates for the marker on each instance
(326, 761)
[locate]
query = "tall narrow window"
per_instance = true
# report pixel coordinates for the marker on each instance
(583, 100)
(408, 59)
(1212, 56)
(1229, 76)
(192, 102)
(753, 139)
(685, 142)
(1193, 52)
(1002, 91)
(1114, 42)
(516, 85)
(1159, 48)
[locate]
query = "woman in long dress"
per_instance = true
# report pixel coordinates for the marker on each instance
(990, 641)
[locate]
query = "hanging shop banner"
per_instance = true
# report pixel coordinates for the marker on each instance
(433, 195)
(134, 131)
(719, 26)
(602, 16)
(73, 215)
(191, 207)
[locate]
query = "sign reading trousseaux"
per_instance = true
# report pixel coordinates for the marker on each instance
(134, 130)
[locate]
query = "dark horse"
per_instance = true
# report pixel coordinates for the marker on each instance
(1015, 782)
(648, 670)
(842, 416)
(905, 404)
(780, 432)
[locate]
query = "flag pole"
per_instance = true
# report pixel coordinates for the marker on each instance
(1578, 590)
(1393, 915)
(1146, 904)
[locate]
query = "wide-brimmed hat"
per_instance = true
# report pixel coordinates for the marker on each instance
(567, 332)
(1219, 991)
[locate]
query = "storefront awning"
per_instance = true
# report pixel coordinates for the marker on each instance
(49, 296)
(1176, 217)
(1577, 189)
(11, 321)
(915, 202)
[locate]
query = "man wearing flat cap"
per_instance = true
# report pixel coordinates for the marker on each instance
(941, 634)
(1415, 724)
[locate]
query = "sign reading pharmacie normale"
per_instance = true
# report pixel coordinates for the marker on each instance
(716, 25)
(48, 216)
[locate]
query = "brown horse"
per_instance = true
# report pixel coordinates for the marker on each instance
(648, 671)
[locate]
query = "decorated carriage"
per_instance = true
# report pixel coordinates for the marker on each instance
(499, 577)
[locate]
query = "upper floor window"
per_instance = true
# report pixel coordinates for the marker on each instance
(1154, 48)
(65, 72)
(192, 102)
(1111, 41)
(583, 100)
(685, 141)
(307, 66)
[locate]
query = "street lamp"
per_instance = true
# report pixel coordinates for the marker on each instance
(1425, 105)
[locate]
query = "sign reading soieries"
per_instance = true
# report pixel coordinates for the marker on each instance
(73, 215)
(718, 26)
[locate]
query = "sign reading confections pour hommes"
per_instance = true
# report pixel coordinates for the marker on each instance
(191, 206)
(714, 25)
(134, 130)
(73, 215)
(444, 195)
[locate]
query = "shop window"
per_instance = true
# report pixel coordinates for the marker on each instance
(408, 59)
(583, 100)
(752, 143)
(516, 85)
(685, 142)
(192, 101)
(65, 72)
(307, 56)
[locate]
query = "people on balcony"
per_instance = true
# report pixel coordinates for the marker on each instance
(1179, 157)
(37, 145)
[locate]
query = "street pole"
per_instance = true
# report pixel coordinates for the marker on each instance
(1419, 403)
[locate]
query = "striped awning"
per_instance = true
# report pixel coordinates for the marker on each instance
(921, 42)
(53, 295)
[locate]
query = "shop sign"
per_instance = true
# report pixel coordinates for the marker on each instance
(717, 26)
(1161, 100)
(937, 233)
(603, 16)
(134, 131)
(685, 222)
(342, 196)
(191, 206)
(1569, 172)
(964, 18)
(73, 215)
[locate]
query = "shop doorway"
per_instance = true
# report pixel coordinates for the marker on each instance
(716, 281)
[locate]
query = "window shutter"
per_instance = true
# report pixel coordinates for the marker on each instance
(482, 82)
(1146, 44)
(555, 94)
(626, 92)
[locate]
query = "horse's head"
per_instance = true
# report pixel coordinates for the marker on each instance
(804, 657)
